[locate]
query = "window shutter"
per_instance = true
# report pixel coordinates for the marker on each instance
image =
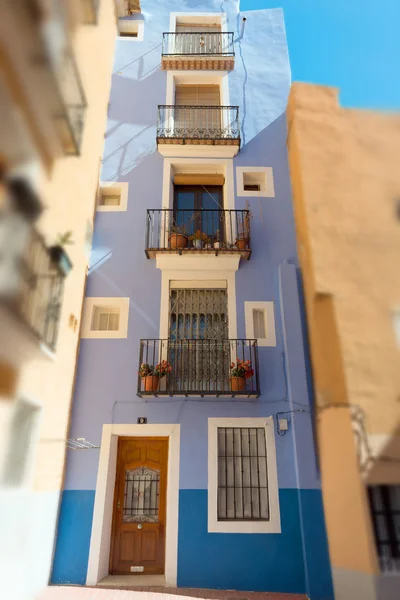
(197, 95)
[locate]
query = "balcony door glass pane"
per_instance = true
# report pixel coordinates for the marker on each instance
(200, 208)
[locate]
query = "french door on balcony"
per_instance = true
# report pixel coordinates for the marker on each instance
(198, 39)
(199, 207)
(197, 111)
(198, 325)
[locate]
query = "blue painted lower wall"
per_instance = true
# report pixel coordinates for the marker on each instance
(265, 562)
(73, 537)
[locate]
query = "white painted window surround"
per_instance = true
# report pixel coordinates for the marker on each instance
(252, 313)
(105, 318)
(114, 189)
(262, 176)
(273, 525)
(206, 18)
(129, 25)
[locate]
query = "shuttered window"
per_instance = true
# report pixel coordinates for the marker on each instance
(105, 318)
(242, 474)
(197, 95)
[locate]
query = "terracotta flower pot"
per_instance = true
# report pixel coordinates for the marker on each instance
(238, 384)
(177, 241)
(151, 383)
(242, 243)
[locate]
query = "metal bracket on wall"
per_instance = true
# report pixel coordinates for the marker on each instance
(80, 444)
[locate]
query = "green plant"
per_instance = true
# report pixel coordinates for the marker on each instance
(65, 239)
(146, 370)
(177, 229)
(242, 368)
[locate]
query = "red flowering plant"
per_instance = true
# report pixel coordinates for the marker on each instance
(162, 369)
(242, 368)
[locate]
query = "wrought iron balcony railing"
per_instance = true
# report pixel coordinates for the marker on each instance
(198, 367)
(208, 231)
(54, 70)
(198, 44)
(217, 125)
(38, 297)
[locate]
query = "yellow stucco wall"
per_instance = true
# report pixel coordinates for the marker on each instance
(346, 182)
(69, 194)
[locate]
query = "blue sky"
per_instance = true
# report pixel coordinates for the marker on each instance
(350, 44)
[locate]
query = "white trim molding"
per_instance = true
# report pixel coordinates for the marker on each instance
(200, 17)
(100, 541)
(268, 308)
(208, 269)
(87, 315)
(263, 175)
(274, 523)
(114, 187)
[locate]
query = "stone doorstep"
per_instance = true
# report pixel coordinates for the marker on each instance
(209, 594)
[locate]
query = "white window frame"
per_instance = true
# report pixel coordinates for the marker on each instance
(267, 192)
(274, 523)
(88, 307)
(268, 308)
(116, 187)
(198, 18)
(197, 270)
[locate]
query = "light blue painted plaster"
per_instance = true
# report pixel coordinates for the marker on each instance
(107, 372)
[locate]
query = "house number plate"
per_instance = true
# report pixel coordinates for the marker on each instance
(137, 569)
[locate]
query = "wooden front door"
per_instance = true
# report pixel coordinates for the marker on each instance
(138, 532)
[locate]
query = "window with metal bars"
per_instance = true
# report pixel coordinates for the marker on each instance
(141, 495)
(242, 474)
(384, 503)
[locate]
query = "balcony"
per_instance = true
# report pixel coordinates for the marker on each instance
(37, 295)
(198, 367)
(50, 80)
(198, 126)
(210, 51)
(207, 231)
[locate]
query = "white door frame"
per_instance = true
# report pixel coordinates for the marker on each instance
(100, 541)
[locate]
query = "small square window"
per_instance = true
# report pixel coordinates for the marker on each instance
(112, 197)
(131, 28)
(255, 181)
(259, 323)
(105, 318)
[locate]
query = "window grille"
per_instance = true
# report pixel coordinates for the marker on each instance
(141, 495)
(242, 474)
(385, 511)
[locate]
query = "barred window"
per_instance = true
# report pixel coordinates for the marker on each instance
(242, 474)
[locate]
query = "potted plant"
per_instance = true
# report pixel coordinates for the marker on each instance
(240, 371)
(177, 237)
(217, 243)
(243, 238)
(59, 256)
(149, 379)
(151, 376)
(199, 239)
